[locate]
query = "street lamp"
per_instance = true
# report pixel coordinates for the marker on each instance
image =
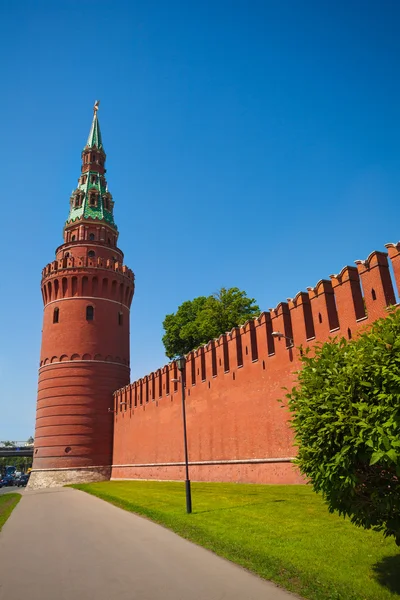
(180, 363)
(278, 335)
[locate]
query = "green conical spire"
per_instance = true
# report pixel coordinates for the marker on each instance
(94, 139)
(91, 199)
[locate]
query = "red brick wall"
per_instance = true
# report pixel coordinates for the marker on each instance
(237, 429)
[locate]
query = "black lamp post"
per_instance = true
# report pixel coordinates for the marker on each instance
(180, 363)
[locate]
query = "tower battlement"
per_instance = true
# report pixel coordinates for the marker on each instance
(71, 264)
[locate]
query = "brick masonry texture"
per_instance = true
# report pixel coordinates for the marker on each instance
(82, 362)
(87, 292)
(237, 429)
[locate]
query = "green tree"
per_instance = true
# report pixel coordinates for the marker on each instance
(182, 328)
(204, 318)
(346, 417)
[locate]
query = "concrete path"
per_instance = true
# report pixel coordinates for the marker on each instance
(62, 544)
(9, 490)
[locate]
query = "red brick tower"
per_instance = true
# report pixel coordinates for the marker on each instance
(87, 292)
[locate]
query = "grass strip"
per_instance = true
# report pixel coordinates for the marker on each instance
(7, 504)
(282, 533)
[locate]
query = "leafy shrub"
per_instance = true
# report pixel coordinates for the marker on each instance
(346, 417)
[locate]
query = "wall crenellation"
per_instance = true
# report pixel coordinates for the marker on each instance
(338, 306)
(237, 419)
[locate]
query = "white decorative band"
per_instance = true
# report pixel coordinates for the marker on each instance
(243, 461)
(72, 469)
(66, 362)
(87, 298)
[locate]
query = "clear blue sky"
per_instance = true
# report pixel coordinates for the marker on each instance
(249, 143)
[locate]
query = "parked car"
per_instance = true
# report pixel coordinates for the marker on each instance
(7, 481)
(23, 480)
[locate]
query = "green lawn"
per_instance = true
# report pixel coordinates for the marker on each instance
(7, 504)
(283, 533)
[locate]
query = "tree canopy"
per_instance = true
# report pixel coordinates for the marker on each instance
(200, 320)
(346, 417)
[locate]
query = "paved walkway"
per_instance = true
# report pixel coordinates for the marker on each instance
(62, 544)
(9, 490)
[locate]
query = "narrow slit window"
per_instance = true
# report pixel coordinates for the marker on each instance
(167, 382)
(193, 366)
(239, 350)
(89, 313)
(213, 360)
(120, 318)
(203, 364)
(373, 294)
(91, 237)
(56, 315)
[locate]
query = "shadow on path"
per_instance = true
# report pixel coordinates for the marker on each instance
(387, 573)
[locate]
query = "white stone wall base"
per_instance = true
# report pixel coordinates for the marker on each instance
(58, 477)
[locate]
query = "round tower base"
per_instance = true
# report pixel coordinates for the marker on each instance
(45, 478)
